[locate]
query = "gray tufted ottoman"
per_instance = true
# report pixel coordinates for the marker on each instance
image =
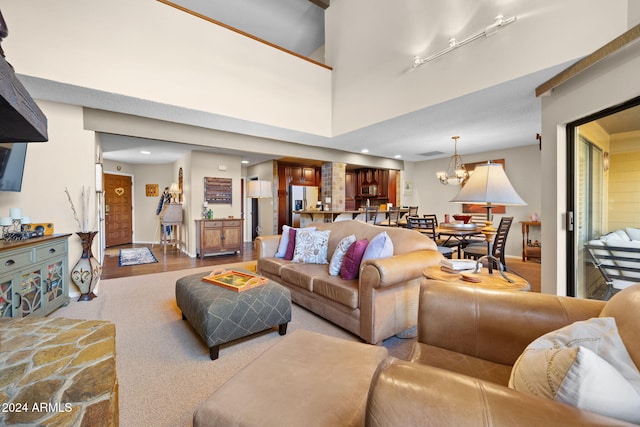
(220, 315)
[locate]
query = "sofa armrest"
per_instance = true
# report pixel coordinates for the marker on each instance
(385, 272)
(409, 394)
(493, 325)
(266, 246)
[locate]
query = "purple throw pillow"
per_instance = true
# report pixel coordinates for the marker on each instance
(291, 246)
(351, 263)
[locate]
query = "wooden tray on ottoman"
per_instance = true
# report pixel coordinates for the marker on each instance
(237, 281)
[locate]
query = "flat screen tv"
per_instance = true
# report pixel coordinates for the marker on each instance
(12, 158)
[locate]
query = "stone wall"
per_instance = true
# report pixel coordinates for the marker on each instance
(58, 372)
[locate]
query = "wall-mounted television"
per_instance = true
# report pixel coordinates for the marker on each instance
(12, 158)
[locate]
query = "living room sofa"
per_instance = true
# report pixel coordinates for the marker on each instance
(457, 375)
(380, 303)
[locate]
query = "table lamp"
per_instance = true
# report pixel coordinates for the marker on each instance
(489, 185)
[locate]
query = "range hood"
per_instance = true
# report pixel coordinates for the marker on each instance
(21, 120)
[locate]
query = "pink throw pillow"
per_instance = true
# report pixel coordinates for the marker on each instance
(291, 246)
(351, 263)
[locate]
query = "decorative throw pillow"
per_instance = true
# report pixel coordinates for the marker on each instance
(311, 246)
(338, 255)
(351, 263)
(633, 233)
(291, 244)
(284, 241)
(585, 365)
(380, 246)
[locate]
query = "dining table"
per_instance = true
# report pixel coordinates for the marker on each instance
(460, 231)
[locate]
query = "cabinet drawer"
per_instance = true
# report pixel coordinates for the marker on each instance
(212, 224)
(232, 223)
(48, 251)
(9, 262)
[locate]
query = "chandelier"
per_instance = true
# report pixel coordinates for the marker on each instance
(456, 173)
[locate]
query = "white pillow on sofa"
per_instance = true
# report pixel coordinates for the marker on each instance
(338, 255)
(633, 233)
(585, 365)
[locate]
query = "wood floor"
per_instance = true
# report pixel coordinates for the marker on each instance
(173, 260)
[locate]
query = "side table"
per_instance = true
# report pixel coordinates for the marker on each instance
(487, 281)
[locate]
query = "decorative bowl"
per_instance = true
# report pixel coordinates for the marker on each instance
(463, 218)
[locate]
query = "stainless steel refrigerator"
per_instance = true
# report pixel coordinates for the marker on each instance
(301, 197)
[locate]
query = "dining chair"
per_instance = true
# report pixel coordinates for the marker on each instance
(413, 211)
(428, 226)
(478, 250)
(392, 218)
(371, 214)
(449, 242)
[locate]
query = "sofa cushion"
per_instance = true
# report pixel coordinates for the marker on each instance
(338, 255)
(311, 246)
(584, 365)
(615, 236)
(633, 233)
(351, 264)
(271, 265)
(302, 275)
(380, 246)
(336, 289)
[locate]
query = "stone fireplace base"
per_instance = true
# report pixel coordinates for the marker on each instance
(58, 371)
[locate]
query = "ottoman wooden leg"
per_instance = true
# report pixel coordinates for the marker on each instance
(282, 329)
(214, 352)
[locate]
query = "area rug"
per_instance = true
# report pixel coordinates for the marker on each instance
(136, 256)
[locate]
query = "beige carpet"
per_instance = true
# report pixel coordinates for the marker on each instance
(164, 370)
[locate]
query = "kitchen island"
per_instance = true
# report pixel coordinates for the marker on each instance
(309, 216)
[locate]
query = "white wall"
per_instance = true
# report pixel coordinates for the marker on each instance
(150, 51)
(522, 166)
(371, 45)
(66, 161)
(608, 83)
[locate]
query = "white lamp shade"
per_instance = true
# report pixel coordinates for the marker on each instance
(259, 189)
(489, 184)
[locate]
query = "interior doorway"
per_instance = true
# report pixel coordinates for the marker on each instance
(118, 209)
(603, 187)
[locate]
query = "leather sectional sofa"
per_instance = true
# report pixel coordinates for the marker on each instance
(382, 302)
(457, 375)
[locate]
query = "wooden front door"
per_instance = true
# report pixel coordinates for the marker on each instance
(118, 208)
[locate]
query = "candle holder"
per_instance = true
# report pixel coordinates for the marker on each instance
(14, 231)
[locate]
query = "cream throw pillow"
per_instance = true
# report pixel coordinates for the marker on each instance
(338, 255)
(311, 246)
(585, 365)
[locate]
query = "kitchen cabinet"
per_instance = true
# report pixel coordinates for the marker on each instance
(218, 236)
(35, 276)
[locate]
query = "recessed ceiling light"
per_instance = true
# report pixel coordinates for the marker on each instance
(364, 150)
(244, 162)
(397, 156)
(145, 152)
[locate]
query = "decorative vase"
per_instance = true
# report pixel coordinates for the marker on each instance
(86, 273)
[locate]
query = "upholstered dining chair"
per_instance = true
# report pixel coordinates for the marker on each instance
(478, 250)
(427, 226)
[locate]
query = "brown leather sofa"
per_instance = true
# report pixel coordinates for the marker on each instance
(468, 341)
(382, 302)
(457, 375)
